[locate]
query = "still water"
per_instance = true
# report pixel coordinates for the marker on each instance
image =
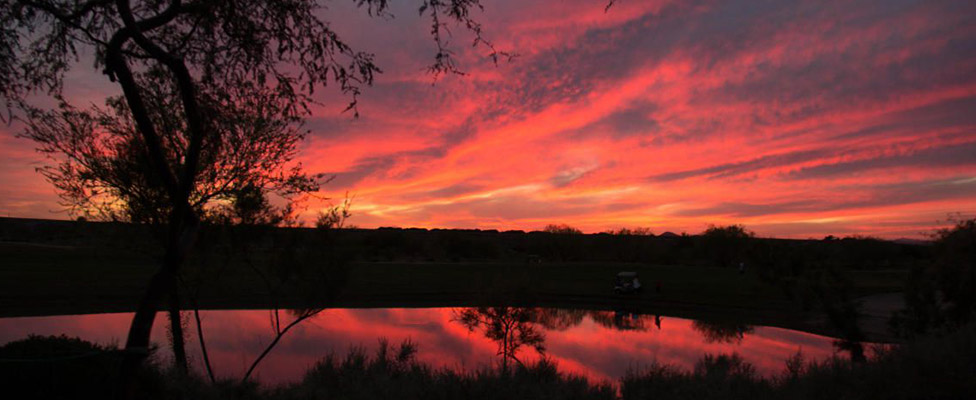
(600, 345)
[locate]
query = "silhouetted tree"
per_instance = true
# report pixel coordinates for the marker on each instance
(558, 319)
(721, 331)
(563, 242)
(620, 320)
(334, 217)
(510, 327)
(561, 229)
(209, 56)
(943, 295)
(638, 231)
(99, 168)
(727, 244)
(833, 291)
(955, 270)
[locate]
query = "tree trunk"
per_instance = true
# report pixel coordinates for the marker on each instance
(176, 328)
(137, 342)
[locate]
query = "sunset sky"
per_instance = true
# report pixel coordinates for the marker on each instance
(794, 118)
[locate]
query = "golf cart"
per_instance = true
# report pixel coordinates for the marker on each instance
(626, 282)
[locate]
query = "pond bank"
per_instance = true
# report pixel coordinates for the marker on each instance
(40, 280)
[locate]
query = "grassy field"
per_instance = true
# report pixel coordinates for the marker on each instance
(43, 279)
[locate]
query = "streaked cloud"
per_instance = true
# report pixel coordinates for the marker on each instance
(796, 118)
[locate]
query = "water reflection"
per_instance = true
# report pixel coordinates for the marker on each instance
(722, 331)
(623, 320)
(509, 327)
(601, 345)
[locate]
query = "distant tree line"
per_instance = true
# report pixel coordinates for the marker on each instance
(718, 246)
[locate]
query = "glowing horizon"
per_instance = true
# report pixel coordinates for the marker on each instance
(793, 118)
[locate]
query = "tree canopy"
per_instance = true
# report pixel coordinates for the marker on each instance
(213, 95)
(100, 169)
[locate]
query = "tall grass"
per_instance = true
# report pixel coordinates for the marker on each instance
(934, 367)
(394, 374)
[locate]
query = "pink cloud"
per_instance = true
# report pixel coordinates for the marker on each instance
(651, 114)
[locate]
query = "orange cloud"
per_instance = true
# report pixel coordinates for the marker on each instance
(797, 118)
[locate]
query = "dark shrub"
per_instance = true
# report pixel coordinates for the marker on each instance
(57, 367)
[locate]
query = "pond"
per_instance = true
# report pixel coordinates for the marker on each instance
(600, 345)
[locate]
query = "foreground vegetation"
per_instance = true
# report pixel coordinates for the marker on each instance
(935, 366)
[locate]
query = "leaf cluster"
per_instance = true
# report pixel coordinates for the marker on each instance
(100, 168)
